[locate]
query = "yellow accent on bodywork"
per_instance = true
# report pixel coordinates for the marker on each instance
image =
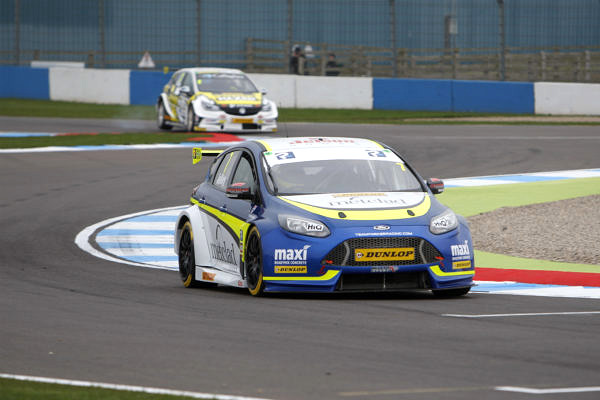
(265, 144)
(327, 276)
(367, 215)
(256, 101)
(234, 223)
(438, 271)
(197, 154)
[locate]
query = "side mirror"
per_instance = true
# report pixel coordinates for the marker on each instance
(263, 91)
(435, 185)
(182, 89)
(239, 190)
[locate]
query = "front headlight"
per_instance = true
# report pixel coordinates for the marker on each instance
(208, 104)
(303, 226)
(266, 105)
(445, 222)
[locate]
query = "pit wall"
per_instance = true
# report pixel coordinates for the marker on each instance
(292, 91)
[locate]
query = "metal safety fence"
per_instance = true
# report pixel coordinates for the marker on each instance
(517, 40)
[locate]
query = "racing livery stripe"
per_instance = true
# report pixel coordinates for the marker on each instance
(438, 271)
(325, 277)
(366, 215)
(265, 145)
(233, 224)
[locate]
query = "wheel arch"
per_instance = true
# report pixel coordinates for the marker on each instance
(165, 101)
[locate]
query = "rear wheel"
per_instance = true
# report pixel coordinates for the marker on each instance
(451, 292)
(160, 118)
(254, 269)
(187, 259)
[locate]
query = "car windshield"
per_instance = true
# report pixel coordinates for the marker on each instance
(343, 176)
(222, 83)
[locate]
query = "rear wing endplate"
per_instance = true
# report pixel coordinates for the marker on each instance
(198, 153)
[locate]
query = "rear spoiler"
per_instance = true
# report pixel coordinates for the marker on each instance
(198, 153)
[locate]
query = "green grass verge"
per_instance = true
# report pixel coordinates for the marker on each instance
(475, 200)
(100, 139)
(67, 109)
(14, 389)
(469, 201)
(64, 109)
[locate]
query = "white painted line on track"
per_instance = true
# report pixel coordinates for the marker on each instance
(549, 390)
(128, 388)
(520, 314)
(83, 238)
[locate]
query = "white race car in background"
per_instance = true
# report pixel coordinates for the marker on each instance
(216, 100)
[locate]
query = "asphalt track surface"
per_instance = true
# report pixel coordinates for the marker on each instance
(67, 314)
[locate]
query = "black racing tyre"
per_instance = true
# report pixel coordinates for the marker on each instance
(451, 292)
(187, 260)
(160, 117)
(254, 267)
(190, 120)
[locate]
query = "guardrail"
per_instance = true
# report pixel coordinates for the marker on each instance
(567, 64)
(524, 64)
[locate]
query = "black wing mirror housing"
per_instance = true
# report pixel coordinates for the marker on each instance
(435, 185)
(239, 190)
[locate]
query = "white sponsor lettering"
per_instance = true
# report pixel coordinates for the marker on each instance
(291, 256)
(460, 249)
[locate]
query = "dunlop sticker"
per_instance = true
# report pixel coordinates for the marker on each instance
(290, 269)
(461, 264)
(393, 254)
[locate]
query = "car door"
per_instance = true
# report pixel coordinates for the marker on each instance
(185, 91)
(245, 172)
(173, 94)
(222, 229)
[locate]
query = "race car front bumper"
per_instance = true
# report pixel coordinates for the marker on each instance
(237, 124)
(221, 121)
(319, 267)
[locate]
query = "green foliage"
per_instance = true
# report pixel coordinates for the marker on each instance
(22, 390)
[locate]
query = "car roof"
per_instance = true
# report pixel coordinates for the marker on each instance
(208, 70)
(281, 144)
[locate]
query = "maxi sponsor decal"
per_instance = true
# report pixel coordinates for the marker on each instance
(291, 261)
(460, 251)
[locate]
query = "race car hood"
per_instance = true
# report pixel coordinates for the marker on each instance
(364, 206)
(248, 99)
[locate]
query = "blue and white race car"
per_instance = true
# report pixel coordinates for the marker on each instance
(324, 214)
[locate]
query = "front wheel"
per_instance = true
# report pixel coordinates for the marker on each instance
(187, 259)
(160, 118)
(254, 269)
(191, 119)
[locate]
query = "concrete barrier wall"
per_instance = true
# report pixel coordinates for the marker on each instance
(412, 94)
(24, 82)
(567, 98)
(449, 95)
(280, 88)
(146, 86)
(105, 86)
(296, 91)
(494, 97)
(143, 87)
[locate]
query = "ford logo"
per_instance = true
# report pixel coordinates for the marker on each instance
(381, 227)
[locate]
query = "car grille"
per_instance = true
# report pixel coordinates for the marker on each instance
(343, 254)
(235, 110)
(383, 282)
